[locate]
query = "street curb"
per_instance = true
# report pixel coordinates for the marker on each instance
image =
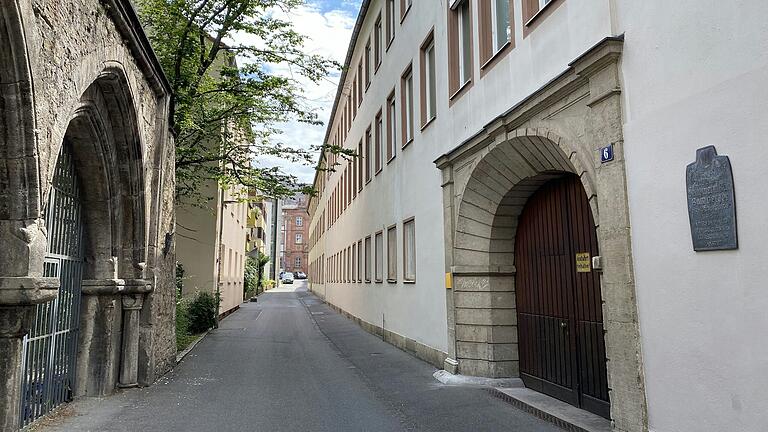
(537, 412)
(180, 356)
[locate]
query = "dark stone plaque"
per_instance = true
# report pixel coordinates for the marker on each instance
(711, 201)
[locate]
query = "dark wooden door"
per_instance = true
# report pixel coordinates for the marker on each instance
(560, 323)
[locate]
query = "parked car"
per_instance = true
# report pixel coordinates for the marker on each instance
(301, 275)
(287, 278)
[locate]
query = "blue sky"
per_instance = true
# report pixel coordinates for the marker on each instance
(328, 26)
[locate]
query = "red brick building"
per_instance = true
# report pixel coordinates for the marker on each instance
(295, 235)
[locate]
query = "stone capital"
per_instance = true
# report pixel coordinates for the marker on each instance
(132, 301)
(17, 291)
(104, 287)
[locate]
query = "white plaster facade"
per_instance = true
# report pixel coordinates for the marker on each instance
(688, 76)
(694, 76)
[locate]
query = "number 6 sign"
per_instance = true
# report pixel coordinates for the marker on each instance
(606, 154)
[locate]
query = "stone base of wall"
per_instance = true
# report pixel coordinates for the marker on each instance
(430, 355)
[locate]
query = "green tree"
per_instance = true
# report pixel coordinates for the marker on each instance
(226, 114)
(254, 274)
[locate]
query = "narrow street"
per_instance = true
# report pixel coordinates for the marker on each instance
(290, 363)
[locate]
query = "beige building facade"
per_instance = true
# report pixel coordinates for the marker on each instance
(212, 246)
(507, 215)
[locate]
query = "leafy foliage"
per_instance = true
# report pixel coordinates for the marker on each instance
(254, 274)
(225, 113)
(202, 313)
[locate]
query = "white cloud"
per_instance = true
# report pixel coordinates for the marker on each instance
(328, 30)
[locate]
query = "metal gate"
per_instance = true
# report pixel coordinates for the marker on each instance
(559, 305)
(48, 368)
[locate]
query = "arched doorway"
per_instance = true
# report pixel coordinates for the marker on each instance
(50, 348)
(559, 305)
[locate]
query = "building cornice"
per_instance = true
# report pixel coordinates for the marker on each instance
(128, 24)
(340, 89)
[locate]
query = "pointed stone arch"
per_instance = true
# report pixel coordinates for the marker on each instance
(106, 147)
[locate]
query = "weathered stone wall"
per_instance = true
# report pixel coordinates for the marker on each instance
(82, 69)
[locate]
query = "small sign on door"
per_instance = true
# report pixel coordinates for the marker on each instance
(583, 262)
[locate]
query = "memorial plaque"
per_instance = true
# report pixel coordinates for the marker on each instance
(711, 201)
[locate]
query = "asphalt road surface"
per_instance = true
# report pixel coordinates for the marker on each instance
(290, 363)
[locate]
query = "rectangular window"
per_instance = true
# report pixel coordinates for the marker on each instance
(299, 221)
(368, 65)
(460, 45)
(495, 22)
(465, 43)
(378, 41)
(360, 83)
(379, 267)
(428, 100)
(406, 105)
(297, 262)
(368, 161)
(359, 260)
(353, 92)
(391, 22)
(391, 126)
(532, 7)
(299, 238)
(405, 6)
(354, 262)
(501, 32)
(377, 142)
(368, 259)
(409, 250)
(392, 254)
(360, 162)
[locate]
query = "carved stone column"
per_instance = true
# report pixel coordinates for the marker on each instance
(129, 367)
(14, 324)
(21, 288)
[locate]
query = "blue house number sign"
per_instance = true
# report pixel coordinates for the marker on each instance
(606, 154)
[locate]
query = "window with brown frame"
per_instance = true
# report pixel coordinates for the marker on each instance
(427, 75)
(368, 259)
(406, 105)
(377, 142)
(354, 178)
(532, 7)
(353, 92)
(459, 46)
(378, 42)
(368, 161)
(368, 65)
(360, 162)
(360, 83)
(409, 250)
(359, 260)
(392, 253)
(391, 21)
(378, 244)
(354, 262)
(495, 22)
(391, 126)
(405, 6)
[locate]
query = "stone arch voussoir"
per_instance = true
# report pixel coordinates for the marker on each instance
(509, 171)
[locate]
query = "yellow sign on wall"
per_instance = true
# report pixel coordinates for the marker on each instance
(448, 281)
(583, 264)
